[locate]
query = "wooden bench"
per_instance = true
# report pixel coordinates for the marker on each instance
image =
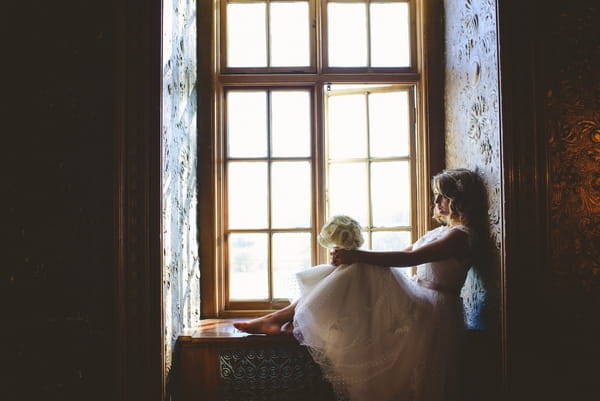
(216, 362)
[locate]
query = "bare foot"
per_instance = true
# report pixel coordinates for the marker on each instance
(278, 322)
(262, 325)
(287, 328)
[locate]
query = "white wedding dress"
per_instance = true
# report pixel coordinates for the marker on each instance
(379, 335)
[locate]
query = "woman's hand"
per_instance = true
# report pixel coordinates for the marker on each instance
(341, 256)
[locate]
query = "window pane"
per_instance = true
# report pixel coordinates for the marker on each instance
(291, 254)
(289, 34)
(391, 240)
(291, 194)
(246, 35)
(389, 124)
(347, 118)
(290, 123)
(347, 34)
(248, 275)
(390, 40)
(246, 124)
(391, 193)
(348, 191)
(247, 195)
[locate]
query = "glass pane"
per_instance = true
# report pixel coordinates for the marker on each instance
(289, 34)
(390, 35)
(347, 123)
(291, 194)
(389, 124)
(248, 274)
(246, 35)
(290, 123)
(348, 191)
(347, 34)
(391, 240)
(247, 195)
(291, 254)
(246, 124)
(390, 194)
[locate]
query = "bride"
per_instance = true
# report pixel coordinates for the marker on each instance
(377, 334)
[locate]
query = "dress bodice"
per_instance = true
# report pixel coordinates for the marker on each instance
(447, 273)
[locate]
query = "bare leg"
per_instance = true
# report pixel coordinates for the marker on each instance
(278, 322)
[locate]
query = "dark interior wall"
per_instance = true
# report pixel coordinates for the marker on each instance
(56, 283)
(568, 69)
(550, 66)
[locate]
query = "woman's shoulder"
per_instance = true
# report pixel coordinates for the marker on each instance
(460, 228)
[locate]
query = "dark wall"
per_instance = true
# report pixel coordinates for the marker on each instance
(550, 64)
(568, 76)
(57, 340)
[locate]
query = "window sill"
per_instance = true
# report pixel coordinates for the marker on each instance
(212, 331)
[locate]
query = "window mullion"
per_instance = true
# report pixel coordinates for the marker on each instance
(369, 162)
(368, 22)
(269, 199)
(268, 32)
(320, 169)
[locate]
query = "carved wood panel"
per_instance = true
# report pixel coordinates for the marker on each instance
(571, 113)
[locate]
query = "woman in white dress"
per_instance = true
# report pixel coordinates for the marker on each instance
(377, 334)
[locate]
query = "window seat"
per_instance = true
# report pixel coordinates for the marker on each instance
(216, 362)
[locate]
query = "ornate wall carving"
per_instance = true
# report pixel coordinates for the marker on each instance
(181, 271)
(473, 133)
(571, 114)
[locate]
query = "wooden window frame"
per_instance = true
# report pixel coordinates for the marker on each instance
(425, 74)
(251, 307)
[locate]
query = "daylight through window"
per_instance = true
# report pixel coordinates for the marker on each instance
(316, 106)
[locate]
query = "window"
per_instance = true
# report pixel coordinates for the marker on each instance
(318, 110)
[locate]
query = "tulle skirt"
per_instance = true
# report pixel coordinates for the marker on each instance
(377, 335)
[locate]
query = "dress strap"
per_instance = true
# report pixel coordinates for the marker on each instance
(462, 228)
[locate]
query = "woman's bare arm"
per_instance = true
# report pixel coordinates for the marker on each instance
(454, 244)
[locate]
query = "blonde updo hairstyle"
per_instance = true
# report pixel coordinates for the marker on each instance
(466, 194)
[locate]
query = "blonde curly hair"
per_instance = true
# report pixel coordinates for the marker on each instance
(466, 194)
